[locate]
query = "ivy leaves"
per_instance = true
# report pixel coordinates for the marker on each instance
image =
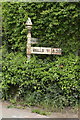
(58, 78)
(14, 17)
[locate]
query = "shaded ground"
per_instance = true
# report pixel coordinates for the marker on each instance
(26, 113)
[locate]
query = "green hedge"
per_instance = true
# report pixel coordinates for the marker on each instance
(14, 32)
(34, 81)
(52, 81)
(56, 24)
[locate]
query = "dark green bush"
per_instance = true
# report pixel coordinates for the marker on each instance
(56, 24)
(54, 81)
(36, 80)
(14, 32)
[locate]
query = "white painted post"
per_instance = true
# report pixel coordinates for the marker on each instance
(28, 46)
(28, 50)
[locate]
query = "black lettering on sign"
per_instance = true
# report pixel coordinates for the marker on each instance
(42, 50)
(36, 50)
(48, 50)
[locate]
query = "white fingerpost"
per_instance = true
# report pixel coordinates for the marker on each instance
(28, 46)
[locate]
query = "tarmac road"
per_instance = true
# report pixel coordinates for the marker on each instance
(17, 113)
(26, 113)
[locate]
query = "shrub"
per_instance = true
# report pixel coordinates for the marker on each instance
(53, 82)
(36, 80)
(56, 24)
(14, 32)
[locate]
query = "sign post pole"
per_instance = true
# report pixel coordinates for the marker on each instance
(28, 50)
(28, 46)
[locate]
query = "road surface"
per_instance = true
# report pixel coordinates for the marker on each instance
(26, 113)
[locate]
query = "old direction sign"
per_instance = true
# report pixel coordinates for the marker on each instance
(40, 50)
(45, 50)
(34, 40)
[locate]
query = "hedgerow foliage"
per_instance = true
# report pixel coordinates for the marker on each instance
(56, 24)
(36, 80)
(42, 81)
(14, 32)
